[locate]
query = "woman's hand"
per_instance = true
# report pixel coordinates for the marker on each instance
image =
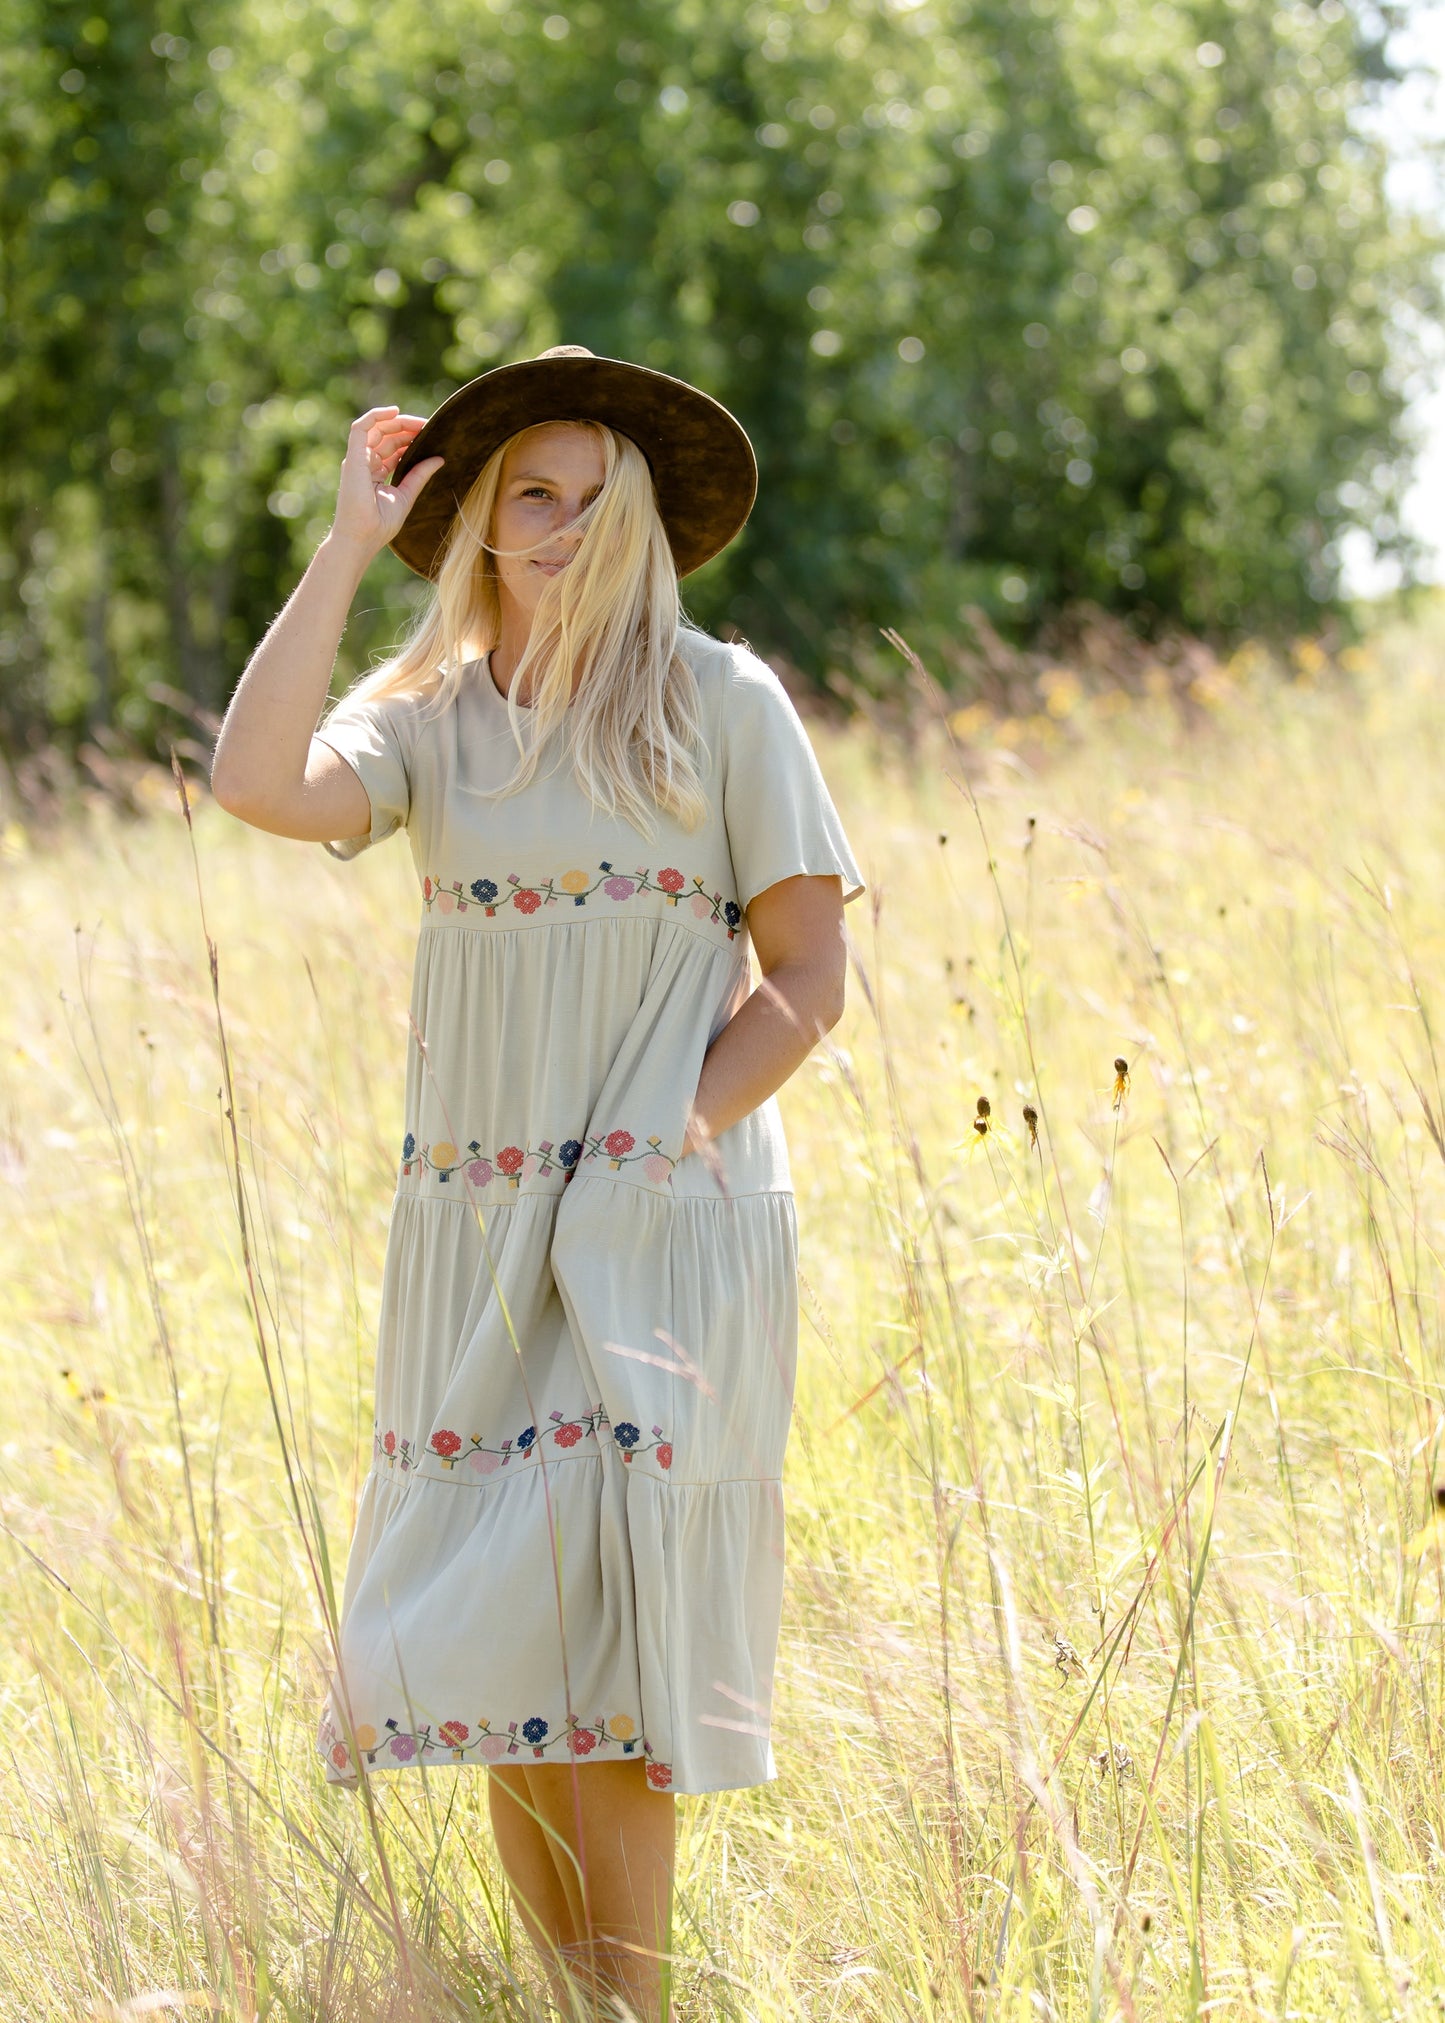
(369, 511)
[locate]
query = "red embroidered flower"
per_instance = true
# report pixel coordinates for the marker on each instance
(664, 1454)
(568, 1435)
(582, 1741)
(510, 1159)
(659, 1776)
(526, 901)
(426, 888)
(388, 1441)
(670, 880)
(619, 1142)
(454, 1733)
(446, 1444)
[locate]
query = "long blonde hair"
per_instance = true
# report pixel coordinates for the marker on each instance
(611, 617)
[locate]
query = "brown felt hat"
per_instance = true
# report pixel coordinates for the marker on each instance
(703, 467)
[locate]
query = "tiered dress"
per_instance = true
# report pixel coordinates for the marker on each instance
(570, 1544)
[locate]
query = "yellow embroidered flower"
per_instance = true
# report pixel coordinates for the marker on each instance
(366, 1736)
(574, 881)
(444, 1154)
(622, 1727)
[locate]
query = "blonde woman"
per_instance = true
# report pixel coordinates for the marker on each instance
(568, 1561)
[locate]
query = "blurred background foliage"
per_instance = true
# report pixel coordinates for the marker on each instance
(1031, 306)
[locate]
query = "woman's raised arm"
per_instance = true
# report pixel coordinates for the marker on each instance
(268, 769)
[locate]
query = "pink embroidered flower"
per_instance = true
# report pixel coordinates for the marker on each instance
(340, 1756)
(491, 1747)
(454, 1733)
(446, 1444)
(664, 1454)
(482, 1463)
(510, 1159)
(479, 1173)
(670, 880)
(701, 905)
(526, 901)
(658, 1775)
(619, 1143)
(656, 1168)
(388, 1443)
(447, 902)
(568, 1435)
(582, 1741)
(618, 888)
(403, 1748)
(530, 1166)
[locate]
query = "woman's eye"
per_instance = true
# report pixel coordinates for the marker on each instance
(536, 492)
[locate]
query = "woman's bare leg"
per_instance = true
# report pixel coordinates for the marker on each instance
(532, 1874)
(615, 1880)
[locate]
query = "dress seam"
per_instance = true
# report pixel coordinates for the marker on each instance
(541, 1194)
(429, 925)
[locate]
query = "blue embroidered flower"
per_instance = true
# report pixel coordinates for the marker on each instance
(524, 1440)
(534, 1730)
(570, 1152)
(408, 1146)
(483, 891)
(732, 913)
(626, 1435)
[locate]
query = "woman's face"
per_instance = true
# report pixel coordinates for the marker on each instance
(549, 474)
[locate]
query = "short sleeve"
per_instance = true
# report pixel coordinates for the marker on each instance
(375, 739)
(781, 821)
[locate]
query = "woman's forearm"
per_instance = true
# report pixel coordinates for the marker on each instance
(266, 735)
(767, 1038)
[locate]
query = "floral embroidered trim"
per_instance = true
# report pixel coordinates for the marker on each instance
(457, 1740)
(579, 887)
(515, 1163)
(450, 1448)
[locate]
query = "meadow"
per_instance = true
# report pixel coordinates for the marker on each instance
(1112, 1680)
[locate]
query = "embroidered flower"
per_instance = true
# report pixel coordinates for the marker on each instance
(408, 1146)
(657, 1167)
(658, 1775)
(525, 1440)
(366, 1736)
(619, 1143)
(732, 913)
(664, 1454)
(340, 1756)
(619, 888)
(446, 1444)
(491, 1747)
(444, 1155)
(570, 1152)
(388, 1443)
(483, 891)
(532, 1731)
(623, 1727)
(427, 889)
(626, 1435)
(581, 1741)
(526, 901)
(509, 1159)
(701, 905)
(403, 1748)
(574, 881)
(454, 1733)
(568, 1435)
(483, 1462)
(479, 1173)
(670, 880)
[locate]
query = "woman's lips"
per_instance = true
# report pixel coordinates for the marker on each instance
(551, 568)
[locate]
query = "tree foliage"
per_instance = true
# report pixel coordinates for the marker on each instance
(1023, 301)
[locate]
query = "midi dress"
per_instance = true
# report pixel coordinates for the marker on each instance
(569, 1545)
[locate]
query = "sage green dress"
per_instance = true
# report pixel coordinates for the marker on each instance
(570, 1543)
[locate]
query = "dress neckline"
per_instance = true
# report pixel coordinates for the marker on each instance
(485, 665)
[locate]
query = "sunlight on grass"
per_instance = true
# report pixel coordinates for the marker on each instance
(1112, 1678)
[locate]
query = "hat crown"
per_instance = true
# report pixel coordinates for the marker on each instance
(567, 351)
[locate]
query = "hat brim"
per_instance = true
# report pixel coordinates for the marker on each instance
(702, 463)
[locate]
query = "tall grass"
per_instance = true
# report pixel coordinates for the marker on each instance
(1113, 1676)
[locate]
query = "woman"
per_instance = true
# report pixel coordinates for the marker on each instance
(568, 1559)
